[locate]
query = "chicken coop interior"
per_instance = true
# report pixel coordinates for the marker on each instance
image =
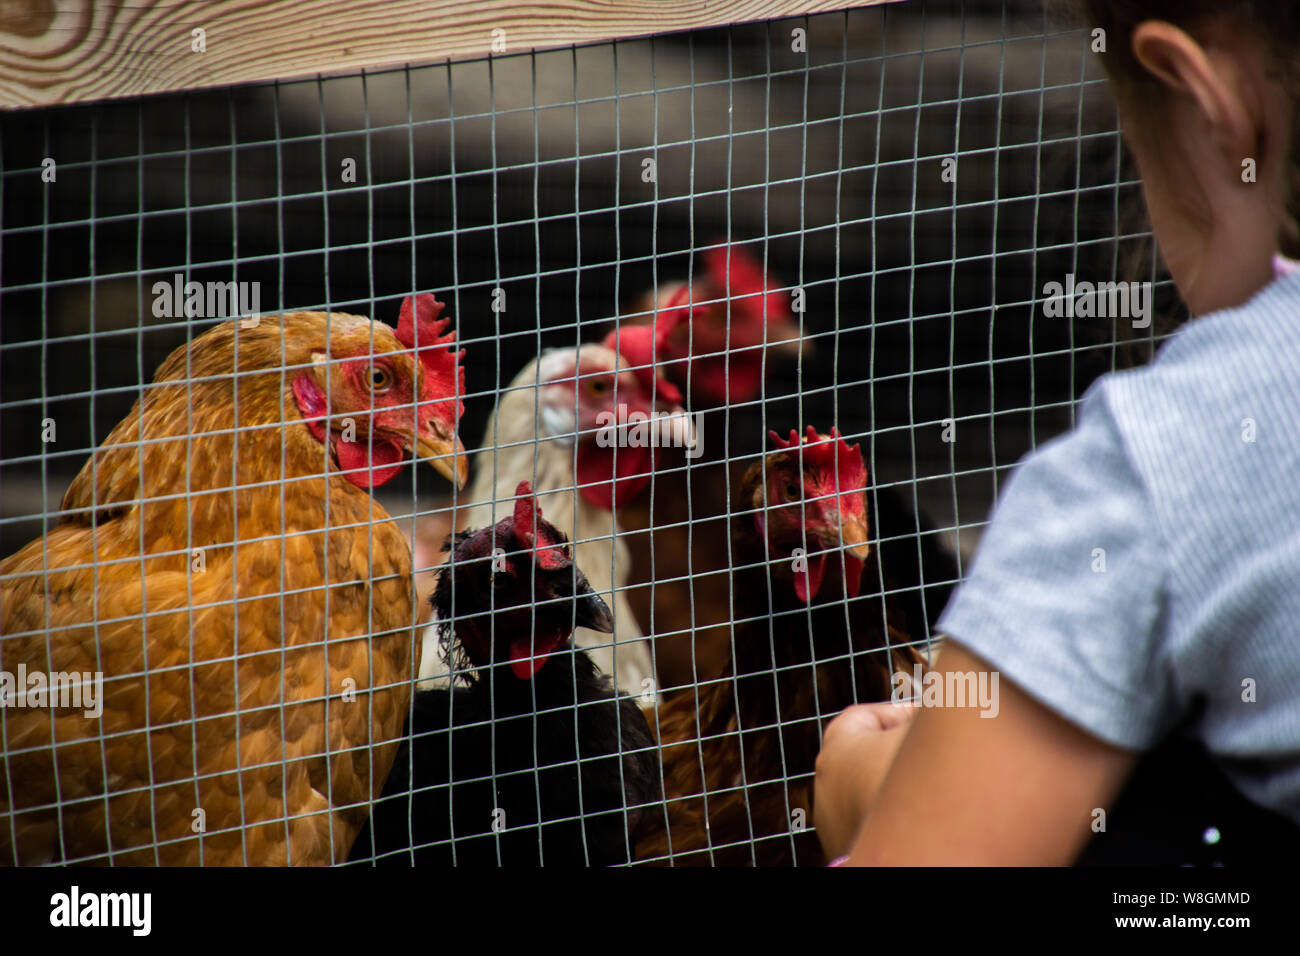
(809, 252)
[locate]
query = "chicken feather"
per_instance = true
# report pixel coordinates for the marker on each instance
(249, 607)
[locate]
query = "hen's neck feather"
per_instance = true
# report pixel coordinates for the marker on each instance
(182, 438)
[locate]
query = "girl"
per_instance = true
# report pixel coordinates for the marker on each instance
(1184, 473)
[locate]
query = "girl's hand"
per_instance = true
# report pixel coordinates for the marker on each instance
(1019, 789)
(857, 750)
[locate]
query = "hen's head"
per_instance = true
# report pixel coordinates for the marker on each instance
(615, 412)
(517, 593)
(375, 393)
(713, 334)
(812, 496)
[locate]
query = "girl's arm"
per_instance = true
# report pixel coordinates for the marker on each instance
(1020, 788)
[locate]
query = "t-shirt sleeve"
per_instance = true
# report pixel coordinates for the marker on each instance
(1066, 594)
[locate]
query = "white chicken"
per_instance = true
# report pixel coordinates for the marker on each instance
(569, 423)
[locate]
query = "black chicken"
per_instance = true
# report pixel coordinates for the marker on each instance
(536, 761)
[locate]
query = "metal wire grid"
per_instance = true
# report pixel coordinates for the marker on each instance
(1053, 146)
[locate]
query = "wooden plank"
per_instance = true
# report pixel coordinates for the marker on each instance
(70, 51)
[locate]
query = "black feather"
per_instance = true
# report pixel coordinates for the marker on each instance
(554, 769)
(538, 779)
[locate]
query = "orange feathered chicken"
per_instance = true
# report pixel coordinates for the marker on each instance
(221, 562)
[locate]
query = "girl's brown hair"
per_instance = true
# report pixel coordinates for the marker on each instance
(1274, 23)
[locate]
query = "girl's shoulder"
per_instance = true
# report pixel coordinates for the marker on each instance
(1223, 380)
(1259, 333)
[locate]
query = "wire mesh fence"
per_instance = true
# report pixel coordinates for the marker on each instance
(850, 221)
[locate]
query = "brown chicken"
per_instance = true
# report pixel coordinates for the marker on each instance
(221, 562)
(813, 634)
(715, 339)
(713, 336)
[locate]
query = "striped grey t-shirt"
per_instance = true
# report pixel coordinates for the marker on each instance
(1145, 567)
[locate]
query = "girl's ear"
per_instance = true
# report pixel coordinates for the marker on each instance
(1178, 61)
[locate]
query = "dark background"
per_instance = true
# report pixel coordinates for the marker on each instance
(525, 173)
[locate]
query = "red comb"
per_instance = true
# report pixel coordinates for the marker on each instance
(740, 277)
(546, 544)
(641, 346)
(829, 452)
(419, 328)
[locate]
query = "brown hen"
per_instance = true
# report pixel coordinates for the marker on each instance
(222, 563)
(715, 340)
(813, 633)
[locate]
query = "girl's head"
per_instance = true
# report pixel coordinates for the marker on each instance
(1207, 94)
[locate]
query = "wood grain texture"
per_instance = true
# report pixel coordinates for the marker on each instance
(69, 51)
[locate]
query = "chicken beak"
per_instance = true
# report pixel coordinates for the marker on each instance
(677, 430)
(790, 343)
(445, 452)
(589, 610)
(853, 532)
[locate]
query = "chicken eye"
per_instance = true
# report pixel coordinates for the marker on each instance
(380, 379)
(597, 386)
(791, 491)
